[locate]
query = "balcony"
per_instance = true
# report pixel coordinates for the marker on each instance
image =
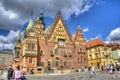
(79, 52)
(52, 54)
(65, 54)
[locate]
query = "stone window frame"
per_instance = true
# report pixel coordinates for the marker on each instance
(41, 54)
(57, 63)
(31, 46)
(90, 56)
(30, 60)
(56, 51)
(41, 63)
(65, 64)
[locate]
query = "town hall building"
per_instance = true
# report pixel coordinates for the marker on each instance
(53, 48)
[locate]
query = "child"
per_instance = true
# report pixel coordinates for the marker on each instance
(22, 77)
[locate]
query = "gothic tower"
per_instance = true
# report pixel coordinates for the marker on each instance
(17, 51)
(29, 47)
(40, 25)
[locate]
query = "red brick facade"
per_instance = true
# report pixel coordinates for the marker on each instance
(53, 48)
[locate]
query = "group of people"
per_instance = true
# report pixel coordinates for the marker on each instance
(15, 74)
(111, 69)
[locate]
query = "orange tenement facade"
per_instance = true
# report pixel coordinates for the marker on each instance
(52, 49)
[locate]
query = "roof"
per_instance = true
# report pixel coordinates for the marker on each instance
(30, 24)
(49, 31)
(114, 45)
(18, 42)
(18, 37)
(78, 29)
(95, 42)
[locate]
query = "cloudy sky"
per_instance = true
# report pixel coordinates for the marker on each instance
(97, 18)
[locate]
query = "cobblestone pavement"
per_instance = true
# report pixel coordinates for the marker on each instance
(70, 76)
(73, 76)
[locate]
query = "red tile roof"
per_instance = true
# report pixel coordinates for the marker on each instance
(95, 42)
(115, 45)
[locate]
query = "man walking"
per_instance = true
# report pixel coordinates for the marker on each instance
(92, 71)
(10, 73)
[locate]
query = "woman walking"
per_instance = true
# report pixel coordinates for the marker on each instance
(17, 74)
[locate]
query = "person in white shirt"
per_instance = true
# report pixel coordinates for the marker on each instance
(112, 70)
(92, 71)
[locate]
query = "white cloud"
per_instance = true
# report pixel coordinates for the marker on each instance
(114, 35)
(85, 30)
(98, 36)
(8, 13)
(16, 12)
(8, 42)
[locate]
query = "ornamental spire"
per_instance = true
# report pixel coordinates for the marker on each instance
(30, 24)
(78, 28)
(41, 17)
(18, 37)
(59, 12)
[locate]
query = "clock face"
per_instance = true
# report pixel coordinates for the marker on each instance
(61, 42)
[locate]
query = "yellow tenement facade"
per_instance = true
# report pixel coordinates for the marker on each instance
(99, 53)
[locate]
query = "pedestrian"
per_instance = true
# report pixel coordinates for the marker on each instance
(23, 71)
(92, 71)
(107, 68)
(10, 72)
(112, 70)
(117, 68)
(31, 71)
(17, 74)
(22, 77)
(72, 70)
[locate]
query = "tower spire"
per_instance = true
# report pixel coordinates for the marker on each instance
(31, 14)
(59, 12)
(41, 17)
(30, 25)
(18, 37)
(78, 27)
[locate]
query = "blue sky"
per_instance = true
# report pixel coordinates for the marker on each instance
(97, 18)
